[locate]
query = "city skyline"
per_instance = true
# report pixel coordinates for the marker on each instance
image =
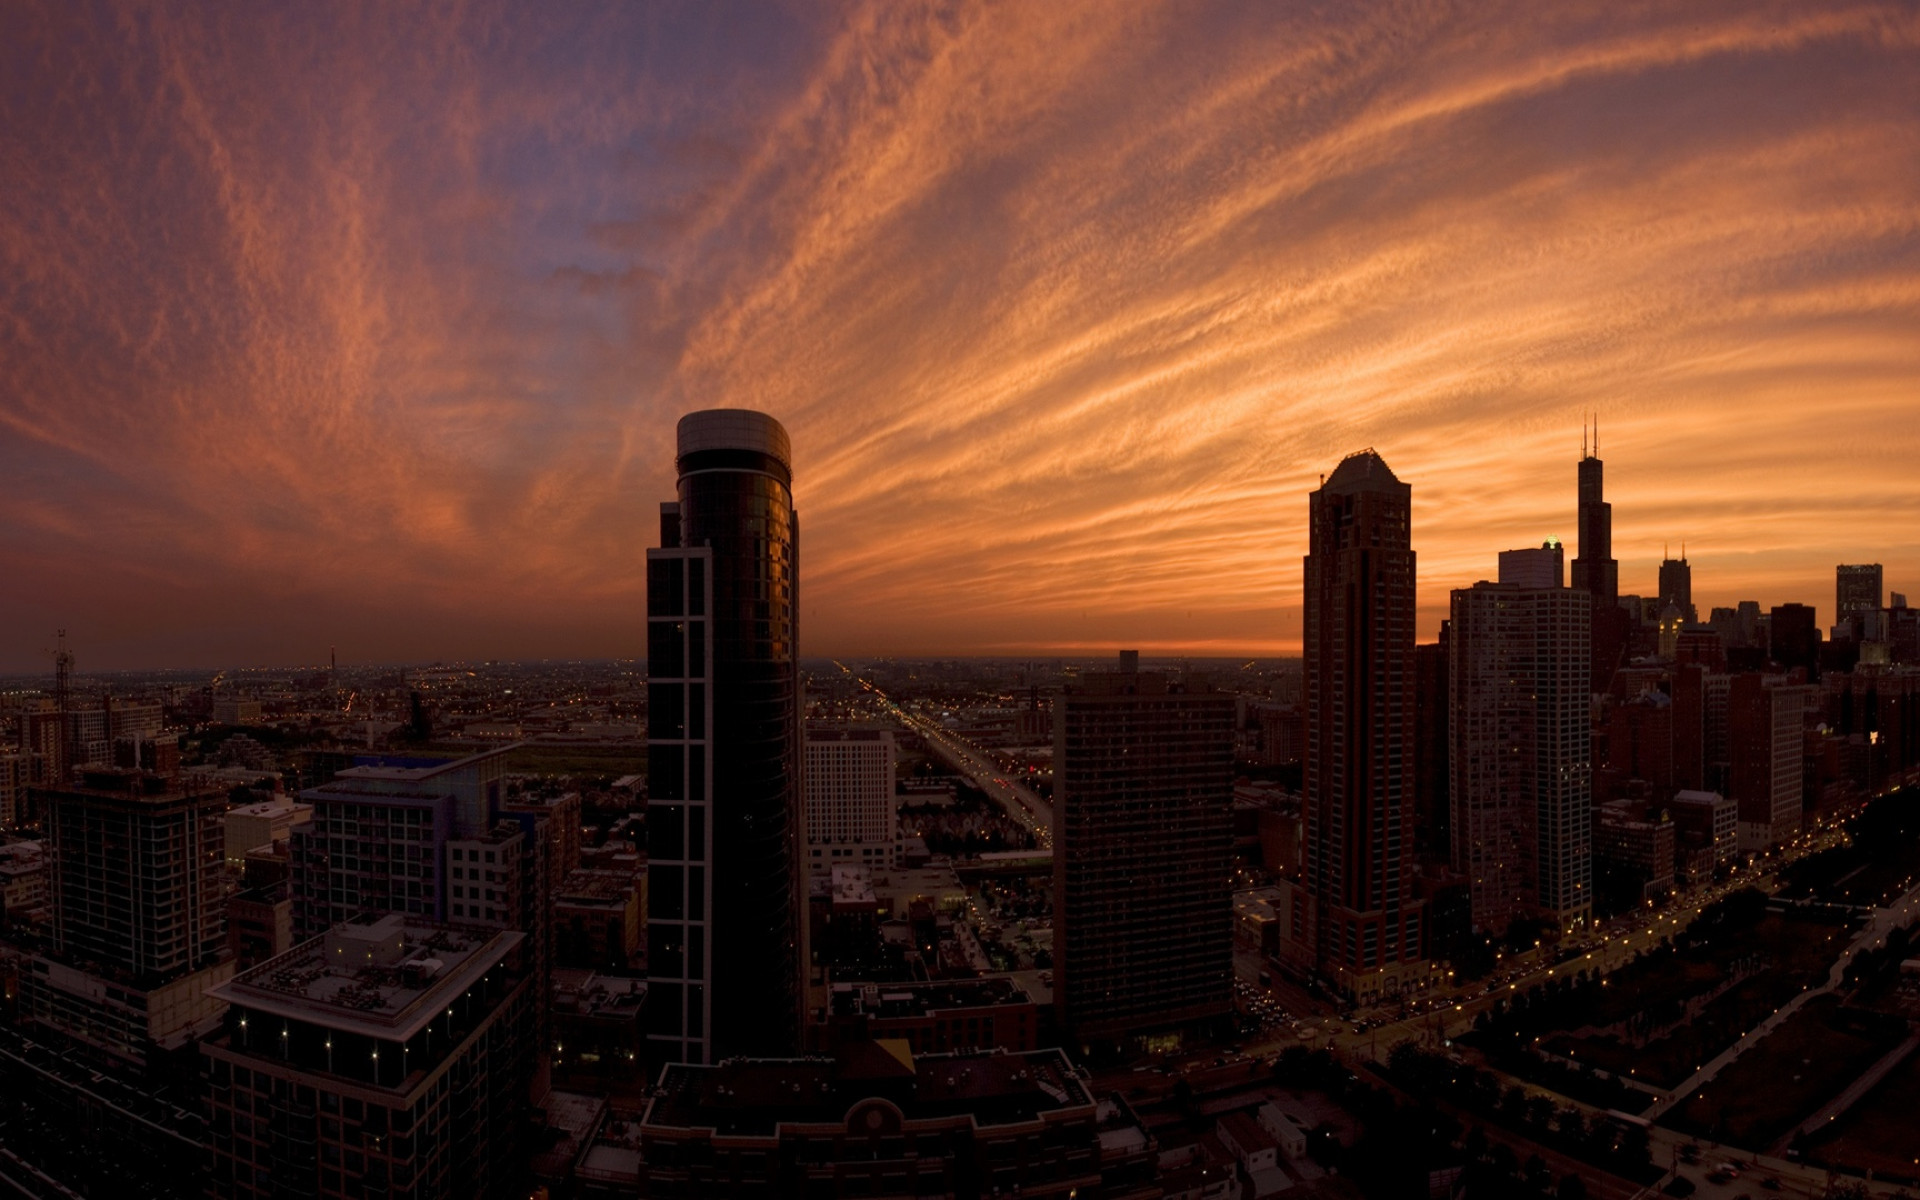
(369, 330)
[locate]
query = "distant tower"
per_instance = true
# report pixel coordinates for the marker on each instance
(726, 900)
(1594, 569)
(1364, 926)
(1676, 586)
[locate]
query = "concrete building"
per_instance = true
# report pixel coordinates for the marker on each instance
(1143, 850)
(253, 825)
(1706, 831)
(1357, 916)
(23, 884)
(725, 824)
(599, 919)
(851, 815)
(1536, 567)
(134, 866)
(134, 879)
(1766, 735)
(379, 835)
(599, 1027)
(260, 923)
(389, 1057)
(1632, 854)
(1519, 710)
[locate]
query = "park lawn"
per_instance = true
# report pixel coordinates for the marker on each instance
(1880, 1132)
(1786, 1077)
(1802, 953)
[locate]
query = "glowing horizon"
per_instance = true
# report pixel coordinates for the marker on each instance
(369, 328)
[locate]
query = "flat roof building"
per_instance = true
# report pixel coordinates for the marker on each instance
(389, 1056)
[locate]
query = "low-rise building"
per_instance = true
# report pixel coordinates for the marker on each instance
(947, 1015)
(873, 1121)
(599, 1029)
(254, 825)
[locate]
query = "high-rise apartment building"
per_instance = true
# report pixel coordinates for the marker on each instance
(1143, 855)
(378, 841)
(1360, 920)
(389, 1057)
(135, 892)
(1766, 736)
(725, 906)
(851, 813)
(135, 862)
(1521, 776)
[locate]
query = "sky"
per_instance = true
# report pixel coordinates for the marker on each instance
(367, 325)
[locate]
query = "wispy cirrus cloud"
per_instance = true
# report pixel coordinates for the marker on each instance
(370, 326)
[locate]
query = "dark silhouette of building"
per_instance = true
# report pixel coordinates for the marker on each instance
(1794, 633)
(1143, 851)
(1596, 572)
(1676, 587)
(1594, 569)
(1360, 921)
(725, 903)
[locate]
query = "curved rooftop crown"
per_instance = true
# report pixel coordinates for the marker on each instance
(734, 429)
(1362, 471)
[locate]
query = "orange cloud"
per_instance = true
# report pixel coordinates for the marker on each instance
(370, 328)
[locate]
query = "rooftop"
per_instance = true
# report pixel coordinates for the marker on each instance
(917, 999)
(381, 976)
(416, 770)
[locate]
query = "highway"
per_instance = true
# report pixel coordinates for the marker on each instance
(966, 759)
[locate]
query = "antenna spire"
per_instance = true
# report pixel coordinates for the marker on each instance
(1583, 435)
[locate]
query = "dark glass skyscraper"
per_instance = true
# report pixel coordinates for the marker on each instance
(725, 909)
(1364, 924)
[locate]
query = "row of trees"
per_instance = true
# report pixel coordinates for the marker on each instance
(1617, 1146)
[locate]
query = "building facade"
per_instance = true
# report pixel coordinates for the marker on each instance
(1520, 758)
(725, 824)
(1143, 853)
(851, 815)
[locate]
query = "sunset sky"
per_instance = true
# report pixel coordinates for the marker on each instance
(367, 325)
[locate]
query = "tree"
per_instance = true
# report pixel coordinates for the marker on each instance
(1572, 1187)
(1573, 1126)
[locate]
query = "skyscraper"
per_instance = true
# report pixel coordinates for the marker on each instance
(1676, 586)
(1360, 920)
(1594, 569)
(1522, 810)
(1143, 929)
(724, 821)
(1856, 593)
